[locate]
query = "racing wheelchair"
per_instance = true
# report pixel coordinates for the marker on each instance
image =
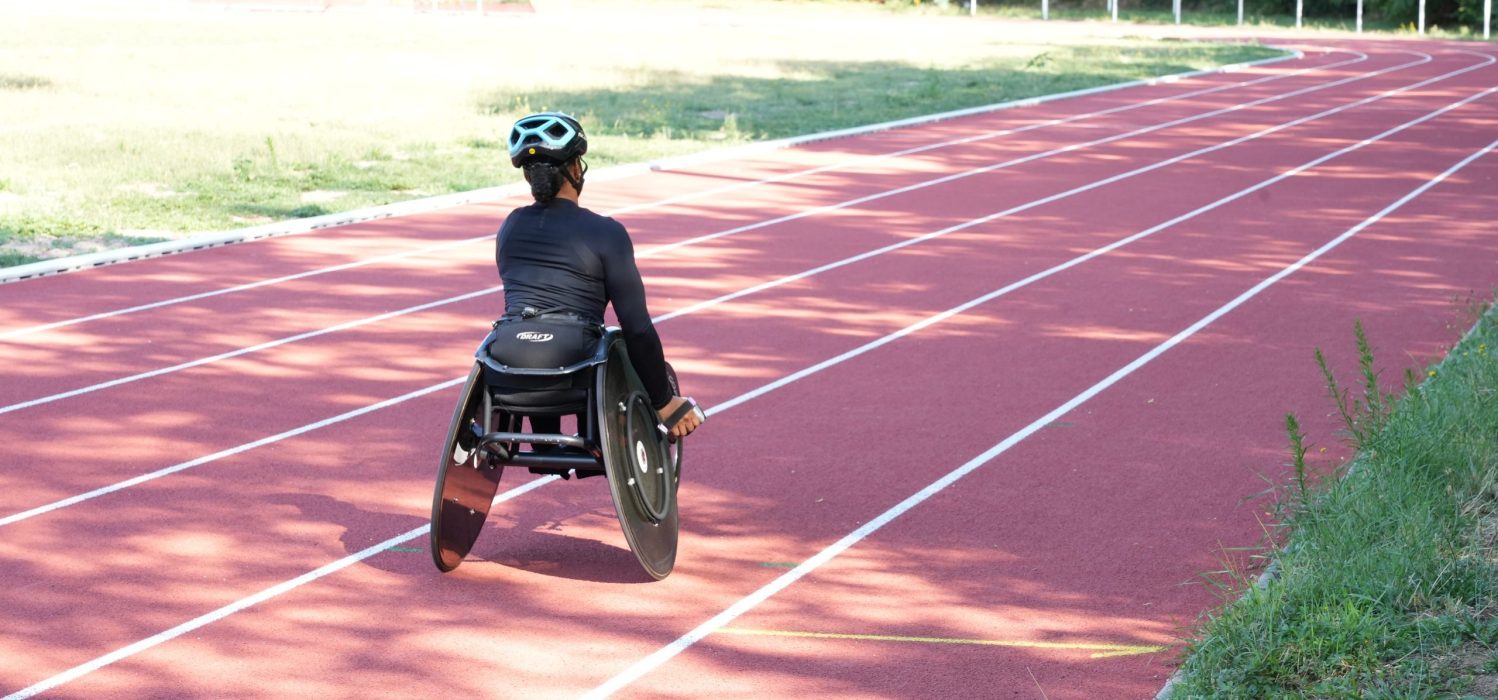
(620, 436)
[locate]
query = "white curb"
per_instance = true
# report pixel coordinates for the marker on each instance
(490, 194)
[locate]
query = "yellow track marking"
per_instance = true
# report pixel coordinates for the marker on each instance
(1101, 651)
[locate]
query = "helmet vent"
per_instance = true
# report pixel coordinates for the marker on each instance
(554, 136)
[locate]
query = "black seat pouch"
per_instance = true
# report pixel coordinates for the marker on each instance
(546, 342)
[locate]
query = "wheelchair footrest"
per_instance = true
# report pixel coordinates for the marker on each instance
(560, 460)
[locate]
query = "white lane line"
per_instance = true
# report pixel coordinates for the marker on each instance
(618, 172)
(221, 454)
(744, 605)
(878, 342)
(30, 330)
(815, 211)
(1359, 57)
(242, 351)
(1013, 286)
(1095, 185)
(862, 160)
(125, 652)
(767, 285)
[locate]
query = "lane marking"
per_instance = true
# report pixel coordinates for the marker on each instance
(776, 282)
(221, 454)
(1051, 199)
(619, 172)
(1002, 291)
(717, 622)
(839, 359)
(30, 330)
(722, 619)
(1425, 58)
(7, 335)
(1100, 650)
(243, 603)
(1358, 57)
(347, 325)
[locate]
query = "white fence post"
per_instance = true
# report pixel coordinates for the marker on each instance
(1360, 16)
(1176, 8)
(1115, 10)
(972, 8)
(1240, 12)
(1422, 17)
(1299, 7)
(1487, 17)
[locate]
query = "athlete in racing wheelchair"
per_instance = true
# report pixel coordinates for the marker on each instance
(550, 356)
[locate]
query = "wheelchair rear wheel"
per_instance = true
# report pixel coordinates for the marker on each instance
(467, 478)
(643, 467)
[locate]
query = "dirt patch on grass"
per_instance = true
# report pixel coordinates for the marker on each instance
(1475, 666)
(20, 251)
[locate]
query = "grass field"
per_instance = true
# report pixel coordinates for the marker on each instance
(122, 129)
(1387, 582)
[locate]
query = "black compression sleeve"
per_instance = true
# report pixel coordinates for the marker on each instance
(627, 292)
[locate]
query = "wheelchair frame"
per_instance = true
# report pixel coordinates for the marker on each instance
(622, 438)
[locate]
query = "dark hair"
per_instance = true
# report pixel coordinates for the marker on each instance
(545, 179)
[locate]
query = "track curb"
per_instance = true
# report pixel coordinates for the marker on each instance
(491, 194)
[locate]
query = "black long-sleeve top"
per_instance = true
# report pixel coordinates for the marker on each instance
(562, 256)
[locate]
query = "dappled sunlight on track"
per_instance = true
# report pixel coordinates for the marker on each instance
(1058, 568)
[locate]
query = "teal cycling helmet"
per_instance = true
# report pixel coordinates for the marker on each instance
(552, 136)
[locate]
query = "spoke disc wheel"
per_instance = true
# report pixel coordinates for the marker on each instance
(467, 479)
(650, 482)
(641, 472)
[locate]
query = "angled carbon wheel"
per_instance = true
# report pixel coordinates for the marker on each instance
(674, 447)
(643, 469)
(466, 479)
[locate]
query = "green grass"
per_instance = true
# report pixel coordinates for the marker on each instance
(809, 96)
(156, 127)
(1388, 577)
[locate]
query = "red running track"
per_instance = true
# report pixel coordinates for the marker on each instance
(226, 496)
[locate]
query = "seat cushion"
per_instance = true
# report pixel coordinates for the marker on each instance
(541, 344)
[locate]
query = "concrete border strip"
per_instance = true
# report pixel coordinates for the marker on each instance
(413, 252)
(490, 194)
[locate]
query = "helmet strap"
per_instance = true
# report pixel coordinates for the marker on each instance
(577, 183)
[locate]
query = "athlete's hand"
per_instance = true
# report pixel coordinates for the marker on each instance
(687, 424)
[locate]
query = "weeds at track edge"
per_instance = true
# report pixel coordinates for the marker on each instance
(1484, 312)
